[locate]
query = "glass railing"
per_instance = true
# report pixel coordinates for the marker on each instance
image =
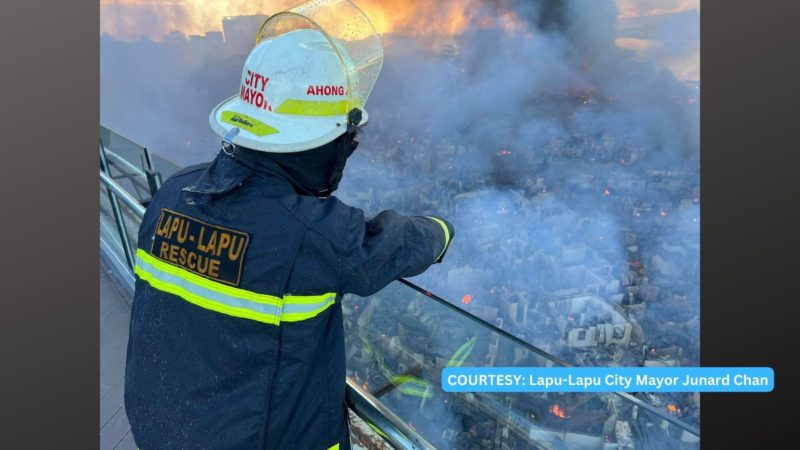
(132, 166)
(398, 341)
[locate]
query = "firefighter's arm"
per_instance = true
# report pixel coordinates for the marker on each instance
(391, 246)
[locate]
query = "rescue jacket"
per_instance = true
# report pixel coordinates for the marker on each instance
(236, 333)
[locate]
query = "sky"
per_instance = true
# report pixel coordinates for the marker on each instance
(526, 93)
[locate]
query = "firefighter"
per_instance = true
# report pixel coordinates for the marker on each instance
(236, 333)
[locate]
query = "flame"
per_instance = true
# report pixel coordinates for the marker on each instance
(466, 300)
(558, 412)
(672, 409)
(155, 19)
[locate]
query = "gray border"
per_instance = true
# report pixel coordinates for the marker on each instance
(49, 326)
(749, 229)
(49, 195)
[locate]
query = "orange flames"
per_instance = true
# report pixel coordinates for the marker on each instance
(466, 300)
(558, 412)
(672, 409)
(133, 19)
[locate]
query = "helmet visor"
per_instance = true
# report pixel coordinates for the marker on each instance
(350, 32)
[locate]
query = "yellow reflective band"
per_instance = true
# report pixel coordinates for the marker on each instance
(313, 107)
(296, 309)
(446, 234)
(306, 299)
(248, 123)
(411, 385)
(462, 353)
(226, 299)
(334, 447)
(406, 384)
(205, 282)
(377, 430)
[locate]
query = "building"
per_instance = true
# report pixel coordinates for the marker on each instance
(588, 321)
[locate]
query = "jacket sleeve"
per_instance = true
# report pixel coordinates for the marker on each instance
(390, 246)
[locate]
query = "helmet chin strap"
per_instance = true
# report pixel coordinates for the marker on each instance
(227, 141)
(347, 145)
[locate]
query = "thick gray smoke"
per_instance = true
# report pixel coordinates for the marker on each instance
(535, 143)
(484, 129)
(568, 165)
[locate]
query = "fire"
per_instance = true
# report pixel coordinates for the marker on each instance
(672, 409)
(558, 412)
(466, 300)
(133, 19)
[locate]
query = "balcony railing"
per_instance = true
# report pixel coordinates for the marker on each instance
(398, 341)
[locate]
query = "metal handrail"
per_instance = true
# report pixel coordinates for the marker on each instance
(550, 357)
(393, 428)
(123, 195)
(134, 205)
(124, 162)
(139, 209)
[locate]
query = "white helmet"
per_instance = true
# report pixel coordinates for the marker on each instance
(310, 67)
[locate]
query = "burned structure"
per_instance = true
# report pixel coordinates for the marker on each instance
(570, 170)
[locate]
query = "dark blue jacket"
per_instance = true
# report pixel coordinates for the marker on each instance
(236, 334)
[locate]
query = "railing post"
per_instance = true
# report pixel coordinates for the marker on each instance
(153, 177)
(118, 217)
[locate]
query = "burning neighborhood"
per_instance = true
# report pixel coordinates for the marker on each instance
(570, 169)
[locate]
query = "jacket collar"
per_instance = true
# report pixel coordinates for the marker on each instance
(222, 175)
(229, 170)
(263, 165)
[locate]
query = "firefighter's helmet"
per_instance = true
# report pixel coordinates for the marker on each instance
(310, 67)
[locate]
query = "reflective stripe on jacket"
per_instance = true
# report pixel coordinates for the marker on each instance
(236, 333)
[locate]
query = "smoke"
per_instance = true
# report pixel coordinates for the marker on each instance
(496, 117)
(553, 110)
(568, 164)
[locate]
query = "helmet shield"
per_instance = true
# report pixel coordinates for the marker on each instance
(350, 33)
(310, 67)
